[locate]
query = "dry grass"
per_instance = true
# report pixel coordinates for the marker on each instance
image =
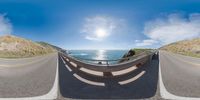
(140, 50)
(186, 47)
(15, 47)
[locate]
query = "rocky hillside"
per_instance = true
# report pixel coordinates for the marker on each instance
(186, 47)
(133, 52)
(14, 47)
(53, 46)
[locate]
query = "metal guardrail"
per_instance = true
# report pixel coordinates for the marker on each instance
(140, 58)
(111, 61)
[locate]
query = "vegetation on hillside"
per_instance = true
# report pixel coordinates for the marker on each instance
(140, 50)
(53, 46)
(185, 47)
(133, 52)
(16, 47)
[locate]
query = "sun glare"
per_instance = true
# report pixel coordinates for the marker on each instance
(100, 33)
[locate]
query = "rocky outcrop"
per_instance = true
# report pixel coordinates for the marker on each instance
(130, 53)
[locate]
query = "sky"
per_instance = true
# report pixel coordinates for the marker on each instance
(101, 24)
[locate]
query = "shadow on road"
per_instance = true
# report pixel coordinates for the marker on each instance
(144, 87)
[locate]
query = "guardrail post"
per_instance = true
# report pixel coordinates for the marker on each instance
(107, 63)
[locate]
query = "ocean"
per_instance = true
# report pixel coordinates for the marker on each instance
(97, 55)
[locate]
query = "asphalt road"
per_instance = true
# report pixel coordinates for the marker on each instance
(27, 77)
(32, 77)
(146, 87)
(180, 74)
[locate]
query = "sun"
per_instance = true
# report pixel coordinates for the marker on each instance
(100, 32)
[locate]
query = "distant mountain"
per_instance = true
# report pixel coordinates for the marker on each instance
(185, 47)
(53, 46)
(15, 47)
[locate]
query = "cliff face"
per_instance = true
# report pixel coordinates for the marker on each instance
(14, 47)
(185, 47)
(130, 53)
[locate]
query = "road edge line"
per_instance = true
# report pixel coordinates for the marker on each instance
(51, 95)
(167, 95)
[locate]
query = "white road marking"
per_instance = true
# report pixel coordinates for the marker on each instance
(66, 65)
(91, 71)
(88, 81)
(121, 72)
(68, 68)
(51, 95)
(167, 95)
(73, 64)
(132, 79)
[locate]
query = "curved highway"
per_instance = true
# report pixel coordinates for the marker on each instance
(172, 76)
(27, 77)
(180, 75)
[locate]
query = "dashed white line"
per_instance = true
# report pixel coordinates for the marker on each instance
(66, 65)
(125, 71)
(73, 64)
(131, 79)
(92, 72)
(88, 81)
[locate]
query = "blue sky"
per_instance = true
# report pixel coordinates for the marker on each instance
(102, 24)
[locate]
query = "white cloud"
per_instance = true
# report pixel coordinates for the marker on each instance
(5, 25)
(145, 42)
(174, 27)
(100, 27)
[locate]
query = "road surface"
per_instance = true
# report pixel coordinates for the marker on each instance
(143, 88)
(35, 77)
(180, 74)
(27, 77)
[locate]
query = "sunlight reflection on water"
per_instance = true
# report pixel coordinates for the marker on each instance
(100, 55)
(89, 55)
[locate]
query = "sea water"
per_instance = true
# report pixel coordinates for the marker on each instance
(88, 55)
